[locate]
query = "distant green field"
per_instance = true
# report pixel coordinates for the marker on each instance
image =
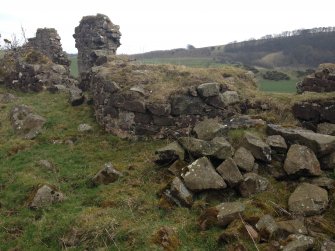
(74, 66)
(283, 86)
(191, 61)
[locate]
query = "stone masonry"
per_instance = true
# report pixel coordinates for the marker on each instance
(47, 41)
(96, 38)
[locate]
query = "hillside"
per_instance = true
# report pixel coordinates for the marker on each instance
(299, 48)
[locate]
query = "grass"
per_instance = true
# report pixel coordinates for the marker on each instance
(120, 216)
(186, 61)
(283, 86)
(125, 215)
(74, 66)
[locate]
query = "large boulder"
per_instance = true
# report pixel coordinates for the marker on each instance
(208, 129)
(301, 160)
(230, 98)
(321, 144)
(229, 211)
(308, 199)
(25, 122)
(170, 153)
(201, 175)
(244, 159)
(46, 196)
(219, 147)
(252, 183)
(230, 172)
(106, 175)
(277, 143)
(208, 89)
(259, 149)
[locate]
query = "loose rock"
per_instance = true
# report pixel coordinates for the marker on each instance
(181, 193)
(257, 147)
(301, 160)
(253, 183)
(201, 175)
(267, 227)
(76, 96)
(308, 199)
(229, 211)
(208, 129)
(299, 242)
(208, 89)
(230, 172)
(326, 128)
(170, 153)
(46, 196)
(25, 122)
(85, 128)
(244, 159)
(277, 143)
(106, 175)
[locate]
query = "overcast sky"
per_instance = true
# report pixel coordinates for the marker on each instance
(148, 25)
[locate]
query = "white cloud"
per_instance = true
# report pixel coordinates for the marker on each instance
(151, 25)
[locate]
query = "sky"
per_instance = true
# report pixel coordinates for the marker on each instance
(148, 25)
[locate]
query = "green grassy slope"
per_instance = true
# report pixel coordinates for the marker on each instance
(120, 216)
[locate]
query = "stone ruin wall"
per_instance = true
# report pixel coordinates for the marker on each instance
(129, 112)
(96, 38)
(323, 80)
(39, 64)
(48, 42)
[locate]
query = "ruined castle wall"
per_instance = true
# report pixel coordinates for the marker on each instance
(48, 42)
(129, 111)
(323, 80)
(96, 38)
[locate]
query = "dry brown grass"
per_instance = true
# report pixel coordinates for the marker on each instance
(160, 81)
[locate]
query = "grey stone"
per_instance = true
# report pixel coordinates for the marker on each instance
(201, 175)
(308, 199)
(328, 245)
(296, 226)
(326, 128)
(181, 193)
(208, 89)
(7, 98)
(46, 196)
(25, 122)
(244, 159)
(230, 172)
(219, 147)
(277, 143)
(252, 183)
(267, 227)
(85, 128)
(320, 144)
(47, 41)
(188, 105)
(170, 153)
(228, 212)
(324, 182)
(47, 165)
(76, 96)
(208, 129)
(301, 160)
(108, 174)
(159, 109)
(96, 38)
(299, 242)
(177, 167)
(243, 122)
(257, 147)
(230, 98)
